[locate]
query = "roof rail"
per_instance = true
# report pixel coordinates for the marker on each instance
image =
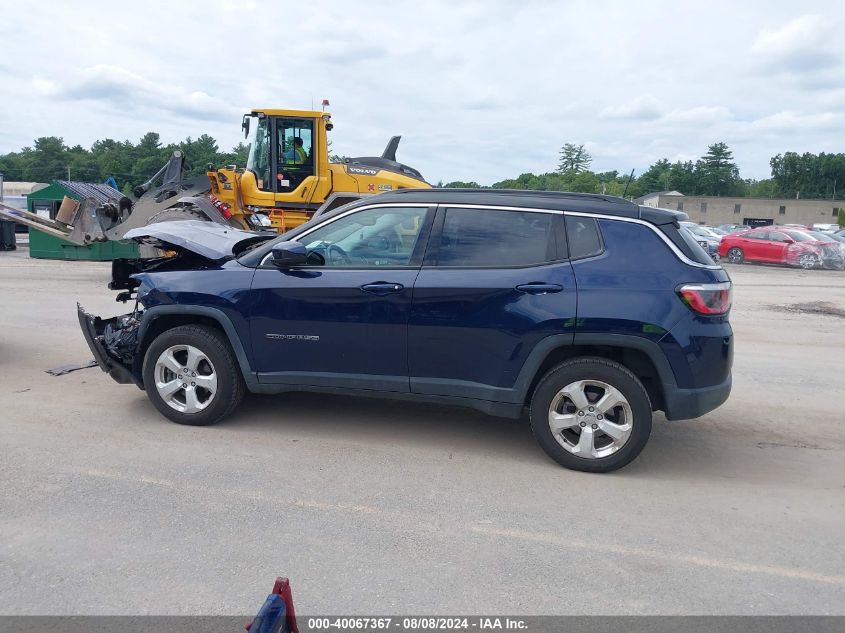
(519, 192)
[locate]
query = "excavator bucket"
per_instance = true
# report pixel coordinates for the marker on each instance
(92, 222)
(54, 227)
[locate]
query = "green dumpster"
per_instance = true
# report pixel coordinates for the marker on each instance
(46, 246)
(46, 202)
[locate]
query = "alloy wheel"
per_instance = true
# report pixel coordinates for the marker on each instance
(185, 378)
(590, 419)
(807, 261)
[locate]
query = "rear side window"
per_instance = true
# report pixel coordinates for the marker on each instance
(486, 237)
(689, 245)
(583, 236)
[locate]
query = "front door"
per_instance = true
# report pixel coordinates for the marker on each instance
(776, 247)
(493, 285)
(342, 320)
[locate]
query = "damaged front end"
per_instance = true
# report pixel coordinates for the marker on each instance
(189, 245)
(114, 343)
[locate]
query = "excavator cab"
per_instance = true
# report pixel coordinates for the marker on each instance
(287, 174)
(282, 153)
(288, 177)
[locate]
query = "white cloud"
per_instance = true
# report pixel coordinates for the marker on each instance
(644, 108)
(806, 39)
(113, 87)
(792, 122)
(697, 116)
(805, 49)
(479, 91)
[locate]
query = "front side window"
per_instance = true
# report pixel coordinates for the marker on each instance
(486, 237)
(372, 238)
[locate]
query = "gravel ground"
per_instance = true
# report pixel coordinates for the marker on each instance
(379, 507)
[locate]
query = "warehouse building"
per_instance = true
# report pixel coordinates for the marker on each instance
(715, 210)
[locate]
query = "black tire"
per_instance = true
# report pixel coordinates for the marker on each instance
(735, 255)
(599, 369)
(212, 343)
(175, 214)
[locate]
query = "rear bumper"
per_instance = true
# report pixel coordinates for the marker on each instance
(684, 404)
(92, 329)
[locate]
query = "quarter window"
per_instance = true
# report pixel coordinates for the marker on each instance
(381, 237)
(583, 236)
(486, 237)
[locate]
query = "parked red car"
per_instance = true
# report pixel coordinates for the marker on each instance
(775, 246)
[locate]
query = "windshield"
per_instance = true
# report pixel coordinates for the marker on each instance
(258, 160)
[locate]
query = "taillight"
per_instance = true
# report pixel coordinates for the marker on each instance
(707, 299)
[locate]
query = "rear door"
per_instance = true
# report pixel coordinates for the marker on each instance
(493, 284)
(754, 246)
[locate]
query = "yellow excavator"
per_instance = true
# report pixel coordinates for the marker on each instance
(287, 180)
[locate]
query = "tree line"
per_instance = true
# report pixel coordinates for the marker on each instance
(129, 163)
(714, 174)
(820, 176)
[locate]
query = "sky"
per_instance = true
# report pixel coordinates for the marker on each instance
(479, 91)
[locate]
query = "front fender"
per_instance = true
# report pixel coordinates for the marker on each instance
(150, 316)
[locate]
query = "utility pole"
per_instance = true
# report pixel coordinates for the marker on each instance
(68, 172)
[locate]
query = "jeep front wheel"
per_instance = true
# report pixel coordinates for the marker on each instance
(591, 414)
(191, 375)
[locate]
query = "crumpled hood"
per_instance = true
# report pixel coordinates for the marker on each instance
(207, 239)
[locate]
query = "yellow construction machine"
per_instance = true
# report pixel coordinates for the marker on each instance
(287, 180)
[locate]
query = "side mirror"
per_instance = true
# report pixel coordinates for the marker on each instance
(789, 240)
(288, 254)
(245, 125)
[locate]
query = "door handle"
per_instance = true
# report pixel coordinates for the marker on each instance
(537, 288)
(382, 287)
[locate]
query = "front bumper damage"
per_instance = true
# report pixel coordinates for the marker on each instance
(114, 344)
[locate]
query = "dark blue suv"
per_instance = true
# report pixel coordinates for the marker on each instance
(588, 311)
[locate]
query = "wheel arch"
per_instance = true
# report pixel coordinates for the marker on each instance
(641, 356)
(162, 318)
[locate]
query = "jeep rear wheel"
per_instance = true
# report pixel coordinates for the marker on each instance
(591, 414)
(192, 376)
